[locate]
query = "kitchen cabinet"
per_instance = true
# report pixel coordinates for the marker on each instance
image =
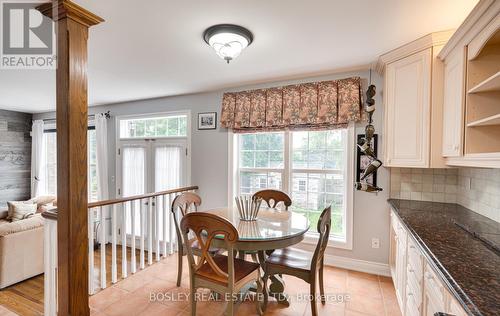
(419, 289)
(471, 122)
(453, 108)
(413, 100)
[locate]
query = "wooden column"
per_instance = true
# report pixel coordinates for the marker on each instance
(72, 24)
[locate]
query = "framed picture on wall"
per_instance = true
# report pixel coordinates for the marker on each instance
(207, 120)
(362, 161)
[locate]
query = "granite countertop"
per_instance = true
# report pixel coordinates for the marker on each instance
(469, 267)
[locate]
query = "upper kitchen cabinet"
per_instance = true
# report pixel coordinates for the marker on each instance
(413, 99)
(471, 124)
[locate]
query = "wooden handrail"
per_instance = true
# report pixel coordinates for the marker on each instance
(140, 197)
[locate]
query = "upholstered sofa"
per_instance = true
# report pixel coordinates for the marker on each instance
(21, 248)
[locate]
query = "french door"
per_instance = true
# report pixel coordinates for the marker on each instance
(146, 166)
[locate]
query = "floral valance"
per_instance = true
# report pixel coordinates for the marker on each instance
(318, 105)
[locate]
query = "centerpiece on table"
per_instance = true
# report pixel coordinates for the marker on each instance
(248, 207)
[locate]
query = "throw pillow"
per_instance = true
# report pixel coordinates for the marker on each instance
(12, 204)
(23, 211)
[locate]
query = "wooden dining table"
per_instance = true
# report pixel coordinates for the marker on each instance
(273, 229)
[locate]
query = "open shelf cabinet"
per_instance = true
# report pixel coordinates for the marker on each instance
(482, 110)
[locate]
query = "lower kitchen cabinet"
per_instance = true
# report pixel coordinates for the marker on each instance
(419, 289)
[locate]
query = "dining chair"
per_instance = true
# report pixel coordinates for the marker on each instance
(222, 274)
(273, 197)
(298, 263)
(185, 202)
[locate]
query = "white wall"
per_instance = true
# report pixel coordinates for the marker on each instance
(210, 157)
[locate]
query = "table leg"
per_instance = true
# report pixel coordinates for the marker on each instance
(277, 287)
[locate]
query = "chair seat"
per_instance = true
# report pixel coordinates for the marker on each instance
(292, 258)
(242, 269)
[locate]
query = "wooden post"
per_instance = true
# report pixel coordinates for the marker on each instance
(72, 24)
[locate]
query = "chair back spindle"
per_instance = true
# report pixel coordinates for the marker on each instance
(273, 198)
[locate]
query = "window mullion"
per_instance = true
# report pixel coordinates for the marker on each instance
(287, 154)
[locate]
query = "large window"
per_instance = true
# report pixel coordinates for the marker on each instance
(311, 166)
(49, 172)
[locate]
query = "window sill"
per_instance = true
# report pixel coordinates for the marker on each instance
(332, 242)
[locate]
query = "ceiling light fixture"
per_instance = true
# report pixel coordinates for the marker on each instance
(228, 40)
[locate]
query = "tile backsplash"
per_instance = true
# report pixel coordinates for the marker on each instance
(474, 188)
(479, 190)
(437, 185)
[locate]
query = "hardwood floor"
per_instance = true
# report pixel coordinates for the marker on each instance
(26, 298)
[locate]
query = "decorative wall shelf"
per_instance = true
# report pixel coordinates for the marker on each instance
(490, 120)
(490, 84)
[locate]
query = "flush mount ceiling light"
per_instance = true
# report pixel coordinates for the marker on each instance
(228, 40)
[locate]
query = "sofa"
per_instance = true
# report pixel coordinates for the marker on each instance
(21, 245)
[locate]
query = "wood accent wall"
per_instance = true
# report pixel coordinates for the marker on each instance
(15, 156)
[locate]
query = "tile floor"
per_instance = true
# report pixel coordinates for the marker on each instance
(367, 295)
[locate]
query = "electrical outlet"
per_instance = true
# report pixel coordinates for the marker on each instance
(375, 243)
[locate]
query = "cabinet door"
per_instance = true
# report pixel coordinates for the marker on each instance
(453, 108)
(408, 84)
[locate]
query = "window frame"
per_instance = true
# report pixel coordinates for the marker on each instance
(51, 129)
(287, 172)
(184, 140)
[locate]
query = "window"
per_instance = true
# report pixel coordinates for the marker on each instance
(162, 126)
(49, 173)
(311, 166)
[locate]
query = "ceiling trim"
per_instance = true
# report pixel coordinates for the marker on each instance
(470, 25)
(427, 41)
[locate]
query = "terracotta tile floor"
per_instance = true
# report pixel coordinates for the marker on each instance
(365, 294)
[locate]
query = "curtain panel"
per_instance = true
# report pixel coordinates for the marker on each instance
(309, 106)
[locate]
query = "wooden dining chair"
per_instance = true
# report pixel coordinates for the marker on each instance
(273, 198)
(185, 203)
(298, 263)
(225, 275)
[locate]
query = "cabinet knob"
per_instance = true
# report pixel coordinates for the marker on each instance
(455, 147)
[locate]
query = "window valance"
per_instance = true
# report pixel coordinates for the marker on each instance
(317, 105)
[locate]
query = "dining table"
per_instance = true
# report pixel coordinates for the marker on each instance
(273, 229)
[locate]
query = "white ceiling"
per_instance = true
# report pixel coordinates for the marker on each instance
(153, 48)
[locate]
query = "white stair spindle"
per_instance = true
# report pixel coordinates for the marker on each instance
(165, 221)
(91, 251)
(102, 211)
(113, 245)
(132, 250)
(143, 233)
(172, 228)
(123, 233)
(157, 230)
(150, 232)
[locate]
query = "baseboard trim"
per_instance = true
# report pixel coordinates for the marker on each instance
(358, 265)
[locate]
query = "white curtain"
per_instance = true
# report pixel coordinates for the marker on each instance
(133, 172)
(37, 159)
(167, 168)
(101, 133)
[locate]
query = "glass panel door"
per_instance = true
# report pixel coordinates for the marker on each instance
(150, 166)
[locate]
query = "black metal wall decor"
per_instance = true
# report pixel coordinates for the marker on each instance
(363, 160)
(367, 146)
